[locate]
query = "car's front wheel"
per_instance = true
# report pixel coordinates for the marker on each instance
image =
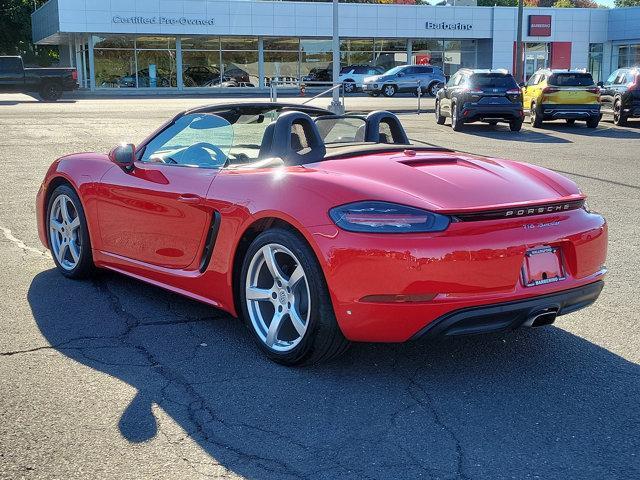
(68, 233)
(51, 91)
(285, 301)
(619, 118)
(389, 90)
(440, 119)
(349, 86)
(456, 121)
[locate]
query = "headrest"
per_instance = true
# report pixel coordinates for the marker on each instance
(385, 119)
(295, 138)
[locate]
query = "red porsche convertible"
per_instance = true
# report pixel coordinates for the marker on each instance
(319, 230)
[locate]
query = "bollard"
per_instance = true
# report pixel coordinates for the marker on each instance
(419, 95)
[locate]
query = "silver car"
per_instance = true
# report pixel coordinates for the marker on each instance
(405, 78)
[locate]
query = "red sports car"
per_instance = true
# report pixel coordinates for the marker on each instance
(319, 230)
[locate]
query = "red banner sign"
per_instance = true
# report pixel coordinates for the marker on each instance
(539, 25)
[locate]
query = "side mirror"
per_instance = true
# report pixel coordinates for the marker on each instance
(522, 85)
(123, 155)
(600, 84)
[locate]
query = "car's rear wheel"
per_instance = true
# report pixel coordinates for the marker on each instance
(389, 90)
(68, 233)
(515, 125)
(618, 117)
(51, 91)
(535, 117)
(456, 121)
(433, 89)
(285, 301)
(440, 119)
(593, 122)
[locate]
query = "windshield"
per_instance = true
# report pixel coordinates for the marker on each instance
(493, 80)
(194, 140)
(571, 80)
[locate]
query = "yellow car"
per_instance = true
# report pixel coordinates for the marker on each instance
(562, 94)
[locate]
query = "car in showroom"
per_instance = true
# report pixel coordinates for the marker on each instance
(490, 96)
(620, 95)
(562, 94)
(405, 78)
(352, 76)
(319, 230)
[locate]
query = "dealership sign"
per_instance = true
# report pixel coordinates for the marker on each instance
(448, 26)
(140, 20)
(539, 25)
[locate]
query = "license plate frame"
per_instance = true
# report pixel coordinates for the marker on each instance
(542, 266)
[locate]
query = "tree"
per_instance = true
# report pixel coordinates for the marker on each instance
(563, 4)
(627, 3)
(15, 33)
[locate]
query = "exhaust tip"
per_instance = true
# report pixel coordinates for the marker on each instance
(541, 318)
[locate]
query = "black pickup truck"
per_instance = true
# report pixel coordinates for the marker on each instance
(49, 83)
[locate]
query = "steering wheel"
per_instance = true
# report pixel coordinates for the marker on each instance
(199, 153)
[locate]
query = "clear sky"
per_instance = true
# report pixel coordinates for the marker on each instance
(606, 3)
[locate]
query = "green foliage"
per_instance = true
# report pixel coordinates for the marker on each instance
(627, 3)
(15, 33)
(498, 3)
(563, 4)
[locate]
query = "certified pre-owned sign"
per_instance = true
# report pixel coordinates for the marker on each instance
(140, 20)
(539, 25)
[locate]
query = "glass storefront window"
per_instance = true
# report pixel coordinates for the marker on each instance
(200, 68)
(239, 43)
(428, 45)
(156, 68)
(115, 68)
(281, 43)
(239, 68)
(200, 43)
(316, 59)
(595, 61)
(628, 55)
(156, 43)
(536, 56)
(115, 41)
(281, 66)
(390, 45)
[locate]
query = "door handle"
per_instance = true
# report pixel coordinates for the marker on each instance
(189, 198)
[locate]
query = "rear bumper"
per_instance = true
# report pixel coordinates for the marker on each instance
(532, 312)
(386, 288)
(575, 112)
(473, 113)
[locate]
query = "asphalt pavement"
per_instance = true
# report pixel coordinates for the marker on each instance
(112, 378)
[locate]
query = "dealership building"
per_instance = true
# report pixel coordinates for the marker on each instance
(199, 44)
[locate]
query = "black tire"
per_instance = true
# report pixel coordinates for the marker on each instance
(535, 117)
(515, 125)
(389, 90)
(323, 339)
(432, 90)
(593, 122)
(349, 86)
(619, 118)
(85, 266)
(440, 119)
(570, 121)
(456, 122)
(51, 91)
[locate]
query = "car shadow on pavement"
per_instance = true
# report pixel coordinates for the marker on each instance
(604, 130)
(502, 132)
(532, 403)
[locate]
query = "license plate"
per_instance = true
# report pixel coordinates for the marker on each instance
(541, 266)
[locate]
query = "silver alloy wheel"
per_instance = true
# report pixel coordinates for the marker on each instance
(64, 233)
(349, 87)
(278, 297)
(389, 90)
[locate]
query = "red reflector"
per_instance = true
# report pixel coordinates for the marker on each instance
(595, 90)
(427, 297)
(550, 90)
(74, 74)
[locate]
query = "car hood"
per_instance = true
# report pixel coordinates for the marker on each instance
(373, 78)
(448, 181)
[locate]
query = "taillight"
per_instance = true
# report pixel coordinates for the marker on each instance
(513, 91)
(595, 90)
(547, 90)
(632, 85)
(74, 75)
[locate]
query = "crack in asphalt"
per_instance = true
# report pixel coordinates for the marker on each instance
(20, 244)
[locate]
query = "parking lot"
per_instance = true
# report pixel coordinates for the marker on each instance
(113, 378)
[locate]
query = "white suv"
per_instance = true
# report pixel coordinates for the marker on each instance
(353, 76)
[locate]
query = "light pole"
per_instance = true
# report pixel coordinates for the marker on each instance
(335, 106)
(519, 73)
